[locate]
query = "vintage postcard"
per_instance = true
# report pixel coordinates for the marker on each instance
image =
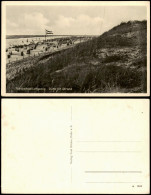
(86, 48)
(75, 146)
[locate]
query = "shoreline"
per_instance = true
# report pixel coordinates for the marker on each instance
(31, 36)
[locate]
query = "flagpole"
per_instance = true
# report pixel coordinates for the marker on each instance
(45, 35)
(47, 32)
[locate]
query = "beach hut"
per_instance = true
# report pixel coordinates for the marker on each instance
(14, 52)
(8, 56)
(17, 49)
(28, 51)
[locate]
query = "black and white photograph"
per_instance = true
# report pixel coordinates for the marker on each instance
(66, 48)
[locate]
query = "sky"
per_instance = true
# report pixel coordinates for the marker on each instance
(68, 20)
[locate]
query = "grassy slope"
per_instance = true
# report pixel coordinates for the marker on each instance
(113, 62)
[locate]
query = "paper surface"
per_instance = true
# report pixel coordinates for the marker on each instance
(75, 146)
